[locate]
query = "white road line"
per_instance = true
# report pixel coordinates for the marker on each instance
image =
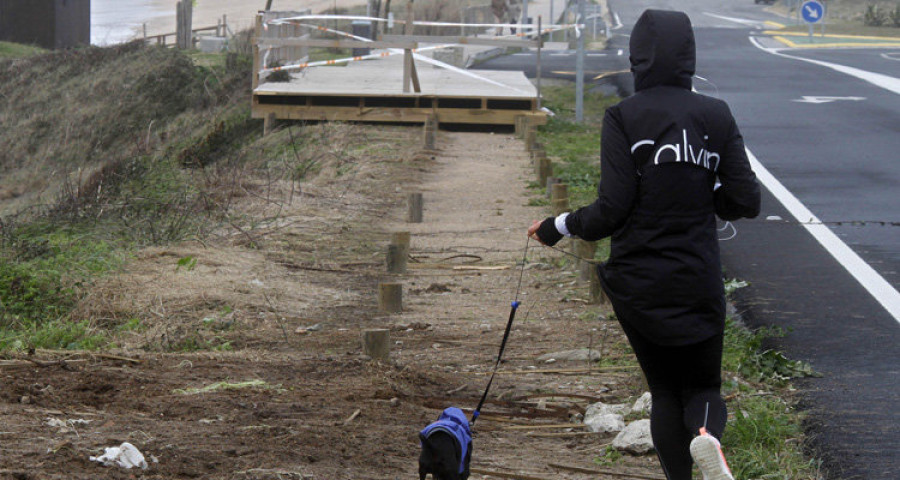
(884, 81)
(890, 56)
(743, 21)
(874, 283)
(560, 54)
(877, 286)
(596, 55)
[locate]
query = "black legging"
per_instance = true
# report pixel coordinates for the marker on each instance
(685, 383)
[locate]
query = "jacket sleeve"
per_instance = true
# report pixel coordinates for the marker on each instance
(738, 196)
(618, 188)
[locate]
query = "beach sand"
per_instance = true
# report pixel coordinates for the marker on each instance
(240, 13)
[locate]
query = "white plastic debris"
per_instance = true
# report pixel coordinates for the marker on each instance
(125, 455)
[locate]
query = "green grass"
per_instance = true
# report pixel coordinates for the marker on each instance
(764, 435)
(18, 50)
(574, 147)
(764, 440)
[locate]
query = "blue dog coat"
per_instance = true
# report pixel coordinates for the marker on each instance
(454, 422)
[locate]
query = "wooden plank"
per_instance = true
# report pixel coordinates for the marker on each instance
(321, 42)
(412, 115)
(496, 42)
(414, 75)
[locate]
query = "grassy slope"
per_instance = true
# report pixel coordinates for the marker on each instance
(764, 436)
(103, 152)
(18, 50)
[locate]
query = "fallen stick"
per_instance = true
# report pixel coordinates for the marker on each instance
(563, 370)
(568, 434)
(457, 389)
(466, 267)
(352, 417)
(517, 476)
(607, 471)
(555, 425)
(115, 357)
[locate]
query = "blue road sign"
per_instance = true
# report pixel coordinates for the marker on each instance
(813, 11)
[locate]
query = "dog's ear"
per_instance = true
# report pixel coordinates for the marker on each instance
(424, 440)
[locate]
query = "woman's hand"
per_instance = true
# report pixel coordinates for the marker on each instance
(532, 231)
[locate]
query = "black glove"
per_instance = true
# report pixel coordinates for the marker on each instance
(547, 232)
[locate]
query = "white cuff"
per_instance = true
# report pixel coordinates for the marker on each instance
(560, 224)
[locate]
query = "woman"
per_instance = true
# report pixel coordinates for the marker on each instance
(671, 161)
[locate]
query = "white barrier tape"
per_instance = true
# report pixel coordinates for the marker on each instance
(468, 73)
(298, 66)
(421, 23)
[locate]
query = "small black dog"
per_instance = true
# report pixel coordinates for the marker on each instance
(446, 447)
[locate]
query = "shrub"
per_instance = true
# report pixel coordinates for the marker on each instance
(874, 17)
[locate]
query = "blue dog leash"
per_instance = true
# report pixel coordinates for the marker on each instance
(512, 315)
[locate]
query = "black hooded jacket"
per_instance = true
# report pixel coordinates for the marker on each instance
(663, 150)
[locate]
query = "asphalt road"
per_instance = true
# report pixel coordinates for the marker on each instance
(839, 157)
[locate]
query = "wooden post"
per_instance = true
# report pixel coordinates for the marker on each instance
(559, 198)
(179, 24)
(551, 181)
(377, 344)
(390, 297)
(415, 205)
(398, 252)
(585, 250)
(256, 58)
(521, 122)
(396, 259)
(597, 295)
(410, 18)
(530, 136)
(269, 123)
(544, 170)
(430, 132)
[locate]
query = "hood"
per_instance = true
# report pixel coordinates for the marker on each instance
(662, 50)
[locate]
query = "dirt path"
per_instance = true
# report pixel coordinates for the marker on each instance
(283, 306)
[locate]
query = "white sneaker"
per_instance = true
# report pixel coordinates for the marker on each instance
(707, 454)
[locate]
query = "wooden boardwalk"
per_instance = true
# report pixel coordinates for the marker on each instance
(372, 91)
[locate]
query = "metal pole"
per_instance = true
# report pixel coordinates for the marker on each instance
(552, 19)
(524, 13)
(579, 67)
(540, 40)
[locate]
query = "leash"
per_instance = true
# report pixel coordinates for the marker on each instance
(512, 315)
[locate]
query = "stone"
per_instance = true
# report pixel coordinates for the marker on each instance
(601, 408)
(605, 422)
(635, 438)
(643, 404)
(581, 354)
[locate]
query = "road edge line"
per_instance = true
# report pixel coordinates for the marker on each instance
(871, 280)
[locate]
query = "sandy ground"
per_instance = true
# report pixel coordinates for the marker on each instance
(283, 305)
(240, 13)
